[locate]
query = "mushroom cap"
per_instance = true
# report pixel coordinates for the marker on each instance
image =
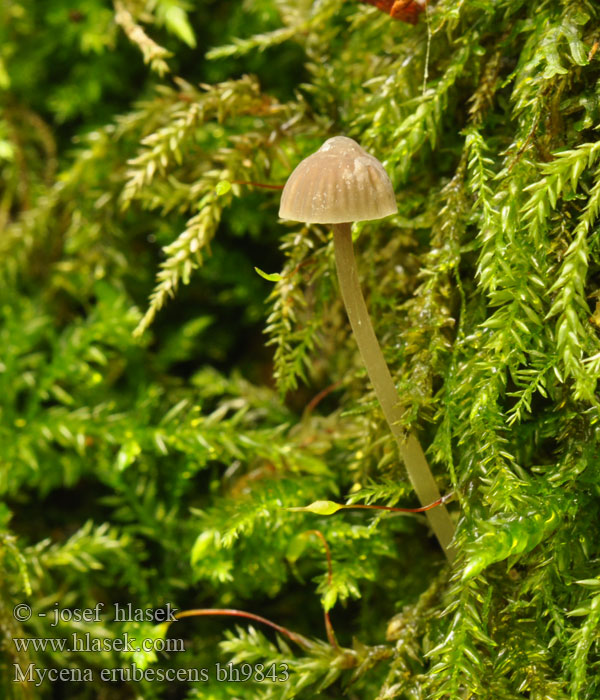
(339, 183)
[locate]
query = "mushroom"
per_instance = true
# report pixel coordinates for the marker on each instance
(339, 184)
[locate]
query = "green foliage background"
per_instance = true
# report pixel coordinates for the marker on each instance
(157, 412)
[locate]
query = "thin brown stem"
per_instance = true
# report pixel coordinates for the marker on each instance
(410, 450)
(230, 612)
(264, 185)
(328, 626)
(315, 401)
(423, 509)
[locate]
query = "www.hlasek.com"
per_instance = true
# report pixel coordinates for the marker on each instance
(86, 643)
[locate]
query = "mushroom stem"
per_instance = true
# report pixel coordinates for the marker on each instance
(410, 450)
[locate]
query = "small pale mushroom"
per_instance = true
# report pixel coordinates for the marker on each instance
(339, 184)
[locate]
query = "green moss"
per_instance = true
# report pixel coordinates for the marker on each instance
(162, 406)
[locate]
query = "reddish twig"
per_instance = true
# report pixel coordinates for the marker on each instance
(315, 401)
(440, 501)
(257, 184)
(328, 626)
(230, 612)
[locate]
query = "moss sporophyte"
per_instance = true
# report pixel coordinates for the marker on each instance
(339, 184)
